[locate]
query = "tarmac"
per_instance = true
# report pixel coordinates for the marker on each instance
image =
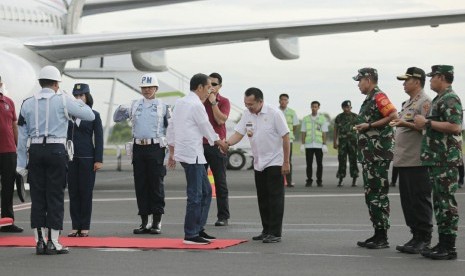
(320, 231)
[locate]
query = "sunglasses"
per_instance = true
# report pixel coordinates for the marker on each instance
(215, 84)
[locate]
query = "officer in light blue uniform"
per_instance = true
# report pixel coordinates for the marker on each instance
(43, 125)
(87, 138)
(149, 118)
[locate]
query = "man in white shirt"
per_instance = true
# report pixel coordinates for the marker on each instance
(189, 124)
(268, 133)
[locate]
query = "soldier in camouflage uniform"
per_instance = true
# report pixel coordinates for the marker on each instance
(292, 123)
(375, 152)
(414, 183)
(345, 141)
(441, 151)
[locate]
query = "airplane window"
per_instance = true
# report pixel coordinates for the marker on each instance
(28, 15)
(2, 12)
(16, 14)
(22, 15)
(8, 14)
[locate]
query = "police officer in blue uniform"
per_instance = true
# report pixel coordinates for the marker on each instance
(88, 158)
(149, 118)
(43, 123)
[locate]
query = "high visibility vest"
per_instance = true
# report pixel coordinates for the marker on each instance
(289, 115)
(313, 127)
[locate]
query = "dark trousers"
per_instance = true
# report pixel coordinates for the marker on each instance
(415, 197)
(149, 173)
(394, 175)
(289, 175)
(7, 178)
(217, 162)
(48, 165)
(81, 180)
(270, 195)
(319, 163)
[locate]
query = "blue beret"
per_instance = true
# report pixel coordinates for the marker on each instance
(81, 88)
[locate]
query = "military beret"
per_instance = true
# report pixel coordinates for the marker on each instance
(346, 103)
(413, 72)
(441, 69)
(81, 88)
(366, 72)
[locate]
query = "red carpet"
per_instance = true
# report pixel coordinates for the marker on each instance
(117, 242)
(6, 221)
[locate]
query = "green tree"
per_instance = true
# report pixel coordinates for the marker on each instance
(121, 133)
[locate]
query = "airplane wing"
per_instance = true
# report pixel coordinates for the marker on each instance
(102, 6)
(282, 36)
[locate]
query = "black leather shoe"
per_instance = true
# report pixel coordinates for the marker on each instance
(340, 182)
(221, 222)
(141, 230)
(52, 250)
(364, 243)
(309, 183)
(400, 248)
(354, 182)
(443, 253)
(271, 239)
(41, 247)
(416, 246)
(319, 183)
(204, 235)
(11, 229)
(260, 237)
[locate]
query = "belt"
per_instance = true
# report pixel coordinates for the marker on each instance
(48, 140)
(144, 142)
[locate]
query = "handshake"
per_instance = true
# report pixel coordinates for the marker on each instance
(21, 171)
(223, 145)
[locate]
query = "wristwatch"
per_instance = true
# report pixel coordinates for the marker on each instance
(214, 103)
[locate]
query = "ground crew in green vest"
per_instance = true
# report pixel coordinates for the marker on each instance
(441, 152)
(314, 128)
(292, 123)
(345, 142)
(375, 152)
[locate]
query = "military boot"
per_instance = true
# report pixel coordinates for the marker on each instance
(340, 182)
(354, 182)
(53, 246)
(364, 243)
(446, 250)
(422, 241)
(143, 227)
(40, 243)
(156, 224)
(380, 241)
(401, 248)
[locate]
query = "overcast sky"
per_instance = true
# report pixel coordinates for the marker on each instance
(327, 63)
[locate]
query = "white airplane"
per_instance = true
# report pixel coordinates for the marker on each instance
(35, 33)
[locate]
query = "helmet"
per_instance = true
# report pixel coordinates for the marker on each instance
(50, 73)
(148, 80)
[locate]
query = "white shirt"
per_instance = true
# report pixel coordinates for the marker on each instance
(268, 127)
(188, 125)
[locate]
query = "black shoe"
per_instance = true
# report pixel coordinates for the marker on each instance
(260, 237)
(378, 244)
(11, 229)
(393, 184)
(443, 253)
(141, 230)
(195, 240)
(401, 248)
(41, 247)
(52, 250)
(354, 182)
(416, 246)
(204, 235)
(221, 222)
(291, 185)
(308, 183)
(319, 183)
(156, 229)
(364, 243)
(271, 239)
(340, 183)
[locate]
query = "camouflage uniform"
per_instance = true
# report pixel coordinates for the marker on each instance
(347, 143)
(375, 152)
(442, 153)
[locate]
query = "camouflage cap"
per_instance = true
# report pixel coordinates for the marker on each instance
(81, 88)
(366, 72)
(441, 69)
(346, 103)
(413, 72)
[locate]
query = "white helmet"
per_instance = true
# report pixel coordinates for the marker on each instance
(148, 80)
(50, 73)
